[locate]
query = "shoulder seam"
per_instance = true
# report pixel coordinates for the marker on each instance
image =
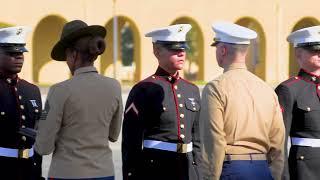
(292, 80)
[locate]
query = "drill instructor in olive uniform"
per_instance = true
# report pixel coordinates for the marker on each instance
(84, 112)
(243, 131)
(20, 110)
(299, 97)
(161, 121)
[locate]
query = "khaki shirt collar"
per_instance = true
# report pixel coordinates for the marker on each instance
(235, 66)
(85, 70)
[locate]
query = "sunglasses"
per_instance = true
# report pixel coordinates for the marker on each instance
(171, 48)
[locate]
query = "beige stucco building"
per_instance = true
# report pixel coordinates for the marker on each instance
(270, 58)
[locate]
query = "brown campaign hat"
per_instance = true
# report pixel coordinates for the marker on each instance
(71, 32)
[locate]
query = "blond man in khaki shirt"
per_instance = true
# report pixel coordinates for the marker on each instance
(242, 126)
(84, 112)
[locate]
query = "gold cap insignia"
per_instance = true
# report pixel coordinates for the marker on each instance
(180, 29)
(19, 31)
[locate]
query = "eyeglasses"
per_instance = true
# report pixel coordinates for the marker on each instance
(176, 50)
(169, 48)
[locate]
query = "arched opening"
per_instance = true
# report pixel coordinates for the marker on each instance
(45, 70)
(303, 23)
(256, 58)
(194, 66)
(128, 66)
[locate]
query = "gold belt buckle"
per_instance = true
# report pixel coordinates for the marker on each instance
(23, 153)
(181, 148)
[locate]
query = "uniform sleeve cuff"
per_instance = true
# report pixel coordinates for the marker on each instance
(112, 140)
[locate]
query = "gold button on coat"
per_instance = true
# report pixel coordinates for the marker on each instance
(301, 157)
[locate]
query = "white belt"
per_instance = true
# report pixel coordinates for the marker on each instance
(174, 147)
(16, 153)
(305, 142)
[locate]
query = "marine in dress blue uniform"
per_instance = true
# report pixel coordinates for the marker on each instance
(20, 109)
(161, 120)
(299, 98)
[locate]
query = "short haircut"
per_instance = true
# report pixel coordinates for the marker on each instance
(233, 49)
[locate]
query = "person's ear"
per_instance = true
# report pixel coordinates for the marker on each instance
(156, 50)
(298, 53)
(70, 54)
(223, 51)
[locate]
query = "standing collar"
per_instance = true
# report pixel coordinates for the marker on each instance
(234, 66)
(9, 80)
(164, 74)
(309, 76)
(85, 70)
